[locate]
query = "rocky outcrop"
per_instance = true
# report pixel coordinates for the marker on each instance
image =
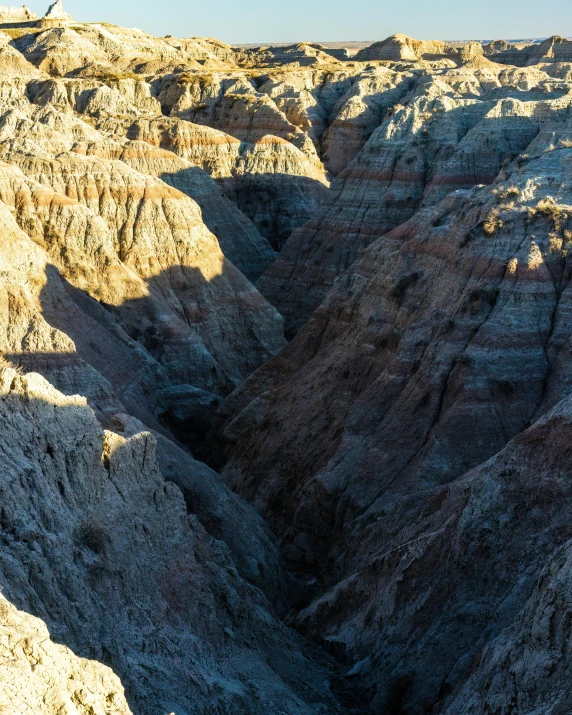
(393, 482)
(497, 46)
(11, 14)
(239, 239)
(401, 47)
(81, 506)
(16, 67)
(47, 326)
(44, 130)
(101, 49)
(150, 255)
(491, 633)
(296, 105)
(155, 283)
(553, 49)
(273, 182)
(31, 664)
(56, 12)
(513, 669)
(302, 54)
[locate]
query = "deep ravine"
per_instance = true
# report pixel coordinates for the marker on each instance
(285, 375)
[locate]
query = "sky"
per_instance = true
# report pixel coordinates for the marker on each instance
(262, 21)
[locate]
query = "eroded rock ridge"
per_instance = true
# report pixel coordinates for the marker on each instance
(387, 527)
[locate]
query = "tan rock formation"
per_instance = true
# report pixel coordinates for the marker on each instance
(12, 14)
(401, 47)
(55, 16)
(454, 132)
(238, 238)
(274, 183)
(39, 676)
(137, 244)
(553, 49)
(13, 64)
(302, 54)
(156, 277)
(56, 12)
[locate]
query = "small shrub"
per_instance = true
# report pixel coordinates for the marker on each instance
(555, 243)
(5, 363)
(549, 208)
(400, 288)
(92, 535)
(508, 192)
(492, 223)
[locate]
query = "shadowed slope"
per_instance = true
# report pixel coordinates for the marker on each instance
(444, 341)
(87, 519)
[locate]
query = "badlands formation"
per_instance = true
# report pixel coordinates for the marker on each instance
(285, 375)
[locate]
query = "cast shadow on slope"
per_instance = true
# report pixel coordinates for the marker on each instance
(277, 204)
(130, 389)
(189, 330)
(239, 239)
(99, 528)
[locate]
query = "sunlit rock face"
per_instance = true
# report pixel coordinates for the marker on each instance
(114, 286)
(455, 131)
(30, 663)
(387, 529)
(14, 14)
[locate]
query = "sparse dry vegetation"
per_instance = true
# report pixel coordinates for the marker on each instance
(555, 243)
(204, 80)
(549, 208)
(117, 76)
(507, 193)
(16, 32)
(492, 223)
(5, 363)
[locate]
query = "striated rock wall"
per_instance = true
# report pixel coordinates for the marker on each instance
(450, 135)
(433, 353)
(400, 468)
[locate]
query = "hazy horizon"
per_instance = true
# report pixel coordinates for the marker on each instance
(332, 21)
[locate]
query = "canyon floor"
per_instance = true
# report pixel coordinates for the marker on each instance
(285, 375)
